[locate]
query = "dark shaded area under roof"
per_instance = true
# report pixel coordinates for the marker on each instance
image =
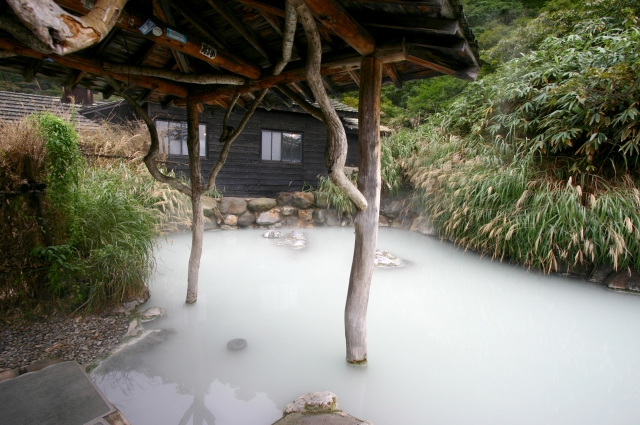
(415, 39)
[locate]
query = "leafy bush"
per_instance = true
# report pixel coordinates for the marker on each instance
(105, 217)
(538, 162)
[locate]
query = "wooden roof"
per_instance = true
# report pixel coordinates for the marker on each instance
(415, 39)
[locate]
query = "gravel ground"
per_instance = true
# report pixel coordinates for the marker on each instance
(71, 338)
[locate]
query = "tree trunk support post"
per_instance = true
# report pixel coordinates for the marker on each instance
(197, 224)
(366, 221)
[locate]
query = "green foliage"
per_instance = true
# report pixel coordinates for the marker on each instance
(104, 219)
(337, 198)
(114, 233)
(64, 159)
(16, 83)
(537, 162)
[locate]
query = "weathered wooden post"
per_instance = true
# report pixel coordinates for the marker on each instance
(366, 221)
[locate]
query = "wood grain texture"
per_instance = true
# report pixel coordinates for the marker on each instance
(366, 222)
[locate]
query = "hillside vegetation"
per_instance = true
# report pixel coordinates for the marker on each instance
(537, 161)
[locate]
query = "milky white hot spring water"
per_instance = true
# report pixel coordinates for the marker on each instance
(453, 338)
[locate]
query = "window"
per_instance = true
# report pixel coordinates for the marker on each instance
(173, 137)
(281, 146)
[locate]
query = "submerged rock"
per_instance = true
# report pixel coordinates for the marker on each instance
(151, 314)
(237, 344)
(272, 234)
(386, 259)
(295, 240)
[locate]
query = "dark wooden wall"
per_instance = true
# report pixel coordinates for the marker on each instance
(244, 173)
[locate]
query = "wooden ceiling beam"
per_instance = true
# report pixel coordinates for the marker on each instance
(432, 4)
(204, 28)
(411, 22)
(144, 54)
(32, 69)
(193, 46)
(355, 77)
(335, 17)
(230, 16)
(93, 66)
(269, 8)
(336, 63)
(75, 79)
(392, 72)
(161, 11)
(284, 99)
(331, 87)
(304, 91)
(427, 58)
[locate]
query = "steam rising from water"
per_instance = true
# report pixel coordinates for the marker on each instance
(453, 338)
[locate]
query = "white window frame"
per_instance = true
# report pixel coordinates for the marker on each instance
(272, 149)
(179, 147)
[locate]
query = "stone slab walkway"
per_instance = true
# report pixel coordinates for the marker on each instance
(58, 394)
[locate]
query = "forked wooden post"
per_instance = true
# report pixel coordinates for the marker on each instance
(366, 222)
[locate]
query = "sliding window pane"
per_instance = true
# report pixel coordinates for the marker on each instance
(203, 139)
(292, 147)
(266, 145)
(276, 138)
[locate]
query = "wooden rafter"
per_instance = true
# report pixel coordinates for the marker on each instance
(392, 72)
(303, 90)
(334, 64)
(95, 67)
(331, 87)
(75, 79)
(161, 10)
(427, 58)
(410, 22)
(230, 16)
(333, 16)
(32, 69)
(431, 4)
(192, 47)
(355, 77)
(203, 27)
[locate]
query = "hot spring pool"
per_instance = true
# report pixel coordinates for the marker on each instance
(453, 338)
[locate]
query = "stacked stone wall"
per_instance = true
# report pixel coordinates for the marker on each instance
(302, 210)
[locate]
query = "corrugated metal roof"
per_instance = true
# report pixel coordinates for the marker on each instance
(14, 106)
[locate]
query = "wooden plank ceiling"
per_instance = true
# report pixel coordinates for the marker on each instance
(415, 39)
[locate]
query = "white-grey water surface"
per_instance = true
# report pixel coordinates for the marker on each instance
(453, 338)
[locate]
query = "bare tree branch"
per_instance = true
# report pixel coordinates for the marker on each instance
(65, 33)
(336, 155)
(230, 138)
(152, 154)
(287, 38)
(229, 134)
(174, 75)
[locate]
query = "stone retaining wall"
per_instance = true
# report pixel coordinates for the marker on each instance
(302, 210)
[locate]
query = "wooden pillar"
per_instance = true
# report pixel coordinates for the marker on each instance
(197, 225)
(366, 222)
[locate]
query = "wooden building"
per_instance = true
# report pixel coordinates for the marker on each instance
(278, 151)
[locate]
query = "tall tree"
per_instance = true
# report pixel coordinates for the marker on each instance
(197, 187)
